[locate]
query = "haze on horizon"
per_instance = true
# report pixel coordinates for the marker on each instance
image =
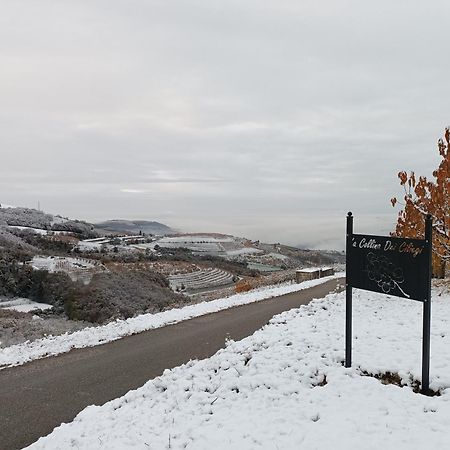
(268, 120)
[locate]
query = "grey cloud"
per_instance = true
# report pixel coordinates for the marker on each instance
(269, 119)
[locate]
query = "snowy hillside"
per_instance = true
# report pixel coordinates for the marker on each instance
(285, 387)
(40, 222)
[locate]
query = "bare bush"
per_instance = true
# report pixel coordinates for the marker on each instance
(120, 295)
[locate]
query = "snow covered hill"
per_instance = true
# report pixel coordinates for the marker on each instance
(40, 222)
(285, 388)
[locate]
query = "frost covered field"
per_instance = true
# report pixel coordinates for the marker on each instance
(285, 388)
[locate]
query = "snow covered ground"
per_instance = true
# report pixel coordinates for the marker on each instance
(92, 244)
(34, 230)
(90, 337)
(80, 269)
(285, 388)
(24, 305)
(194, 239)
(243, 251)
(39, 231)
(217, 245)
(61, 263)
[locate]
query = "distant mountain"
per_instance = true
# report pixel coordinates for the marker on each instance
(135, 226)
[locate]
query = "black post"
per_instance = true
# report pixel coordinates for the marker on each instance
(427, 310)
(348, 295)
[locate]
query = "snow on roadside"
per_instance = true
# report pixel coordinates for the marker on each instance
(285, 387)
(90, 337)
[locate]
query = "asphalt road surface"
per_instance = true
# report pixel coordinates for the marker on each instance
(40, 395)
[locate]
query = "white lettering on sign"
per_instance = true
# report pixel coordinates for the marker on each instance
(408, 247)
(371, 244)
(389, 246)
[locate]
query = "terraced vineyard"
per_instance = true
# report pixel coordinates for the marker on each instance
(80, 269)
(200, 280)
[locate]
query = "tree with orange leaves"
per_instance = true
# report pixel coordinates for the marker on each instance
(424, 197)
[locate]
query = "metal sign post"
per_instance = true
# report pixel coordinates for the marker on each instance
(427, 312)
(348, 297)
(390, 265)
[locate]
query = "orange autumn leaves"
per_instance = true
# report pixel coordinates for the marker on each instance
(424, 197)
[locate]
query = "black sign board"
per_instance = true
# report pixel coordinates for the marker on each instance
(394, 266)
(389, 265)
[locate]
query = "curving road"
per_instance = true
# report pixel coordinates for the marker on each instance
(38, 396)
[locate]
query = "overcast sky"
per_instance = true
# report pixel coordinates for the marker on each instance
(264, 119)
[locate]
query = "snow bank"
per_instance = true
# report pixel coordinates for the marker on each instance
(90, 337)
(285, 387)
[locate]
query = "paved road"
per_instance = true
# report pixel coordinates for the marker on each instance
(40, 395)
